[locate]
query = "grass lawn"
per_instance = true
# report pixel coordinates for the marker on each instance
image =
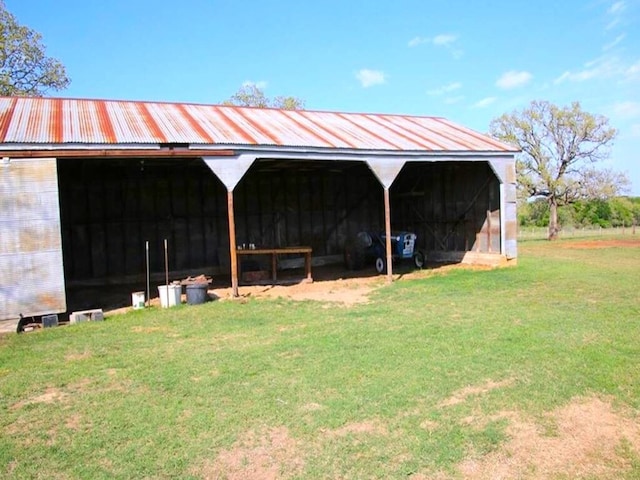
(526, 372)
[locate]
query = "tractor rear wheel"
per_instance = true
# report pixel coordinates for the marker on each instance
(381, 265)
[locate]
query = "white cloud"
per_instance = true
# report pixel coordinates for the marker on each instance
(369, 78)
(444, 40)
(415, 41)
(445, 89)
(513, 79)
(485, 102)
(602, 67)
(617, 8)
(615, 13)
(261, 84)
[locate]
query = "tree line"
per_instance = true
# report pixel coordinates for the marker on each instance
(596, 212)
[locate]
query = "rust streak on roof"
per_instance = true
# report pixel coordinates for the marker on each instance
(151, 123)
(236, 128)
(335, 133)
(195, 125)
(471, 133)
(307, 130)
(257, 126)
(57, 122)
(6, 117)
(369, 132)
(105, 123)
(463, 144)
(388, 123)
(49, 122)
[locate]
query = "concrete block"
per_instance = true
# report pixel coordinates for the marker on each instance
(94, 315)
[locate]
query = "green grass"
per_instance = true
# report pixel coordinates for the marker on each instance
(360, 392)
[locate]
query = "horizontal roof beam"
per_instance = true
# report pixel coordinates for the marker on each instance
(117, 153)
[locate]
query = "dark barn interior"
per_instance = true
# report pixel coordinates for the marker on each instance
(111, 207)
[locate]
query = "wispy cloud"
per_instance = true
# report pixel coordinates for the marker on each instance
(633, 72)
(369, 78)
(451, 87)
(485, 102)
(443, 40)
(261, 84)
(615, 14)
(415, 41)
(606, 66)
(617, 8)
(513, 79)
(614, 42)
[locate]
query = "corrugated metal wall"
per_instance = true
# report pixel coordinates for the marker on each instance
(31, 272)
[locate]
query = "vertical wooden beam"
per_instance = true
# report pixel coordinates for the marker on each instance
(489, 249)
(232, 244)
(387, 231)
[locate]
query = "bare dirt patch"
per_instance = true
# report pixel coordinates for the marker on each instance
(473, 390)
(589, 440)
(358, 428)
(51, 395)
(343, 292)
(264, 455)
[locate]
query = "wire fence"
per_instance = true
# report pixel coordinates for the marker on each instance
(540, 233)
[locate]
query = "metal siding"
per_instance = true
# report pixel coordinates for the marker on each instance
(30, 241)
(54, 121)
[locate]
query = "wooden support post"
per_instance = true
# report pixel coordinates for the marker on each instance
(232, 244)
(387, 230)
(489, 231)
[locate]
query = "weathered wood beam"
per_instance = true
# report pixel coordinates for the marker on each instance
(232, 244)
(387, 230)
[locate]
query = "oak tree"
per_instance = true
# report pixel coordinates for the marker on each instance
(24, 67)
(250, 95)
(559, 149)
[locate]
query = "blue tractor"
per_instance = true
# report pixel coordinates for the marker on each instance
(371, 246)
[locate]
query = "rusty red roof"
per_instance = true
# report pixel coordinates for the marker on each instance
(49, 122)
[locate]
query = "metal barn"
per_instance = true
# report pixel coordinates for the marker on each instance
(85, 183)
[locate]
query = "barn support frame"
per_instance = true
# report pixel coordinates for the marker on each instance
(230, 170)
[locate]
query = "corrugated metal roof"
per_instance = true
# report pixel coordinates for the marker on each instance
(58, 121)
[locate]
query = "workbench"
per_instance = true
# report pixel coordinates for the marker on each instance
(274, 252)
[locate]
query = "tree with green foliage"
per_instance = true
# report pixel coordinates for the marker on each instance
(25, 70)
(559, 149)
(250, 95)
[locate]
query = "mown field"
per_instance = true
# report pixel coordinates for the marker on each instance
(525, 372)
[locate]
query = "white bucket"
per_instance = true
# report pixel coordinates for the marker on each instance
(170, 295)
(137, 300)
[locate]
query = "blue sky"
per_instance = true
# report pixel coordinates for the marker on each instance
(468, 61)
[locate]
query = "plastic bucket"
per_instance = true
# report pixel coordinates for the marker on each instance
(137, 300)
(170, 295)
(197, 293)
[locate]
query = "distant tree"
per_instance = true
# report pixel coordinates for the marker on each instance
(250, 95)
(24, 67)
(559, 147)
